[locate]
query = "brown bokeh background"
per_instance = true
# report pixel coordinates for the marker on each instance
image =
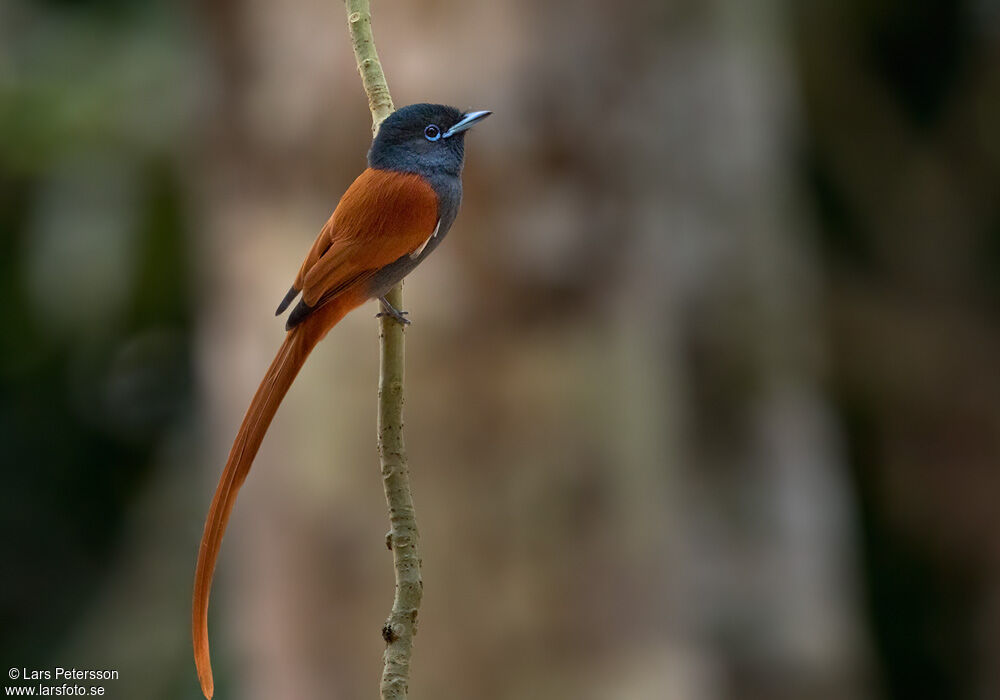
(702, 389)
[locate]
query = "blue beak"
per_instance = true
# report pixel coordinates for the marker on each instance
(468, 120)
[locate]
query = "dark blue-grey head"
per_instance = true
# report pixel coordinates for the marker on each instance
(423, 138)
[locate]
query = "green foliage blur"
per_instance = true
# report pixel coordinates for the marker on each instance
(97, 290)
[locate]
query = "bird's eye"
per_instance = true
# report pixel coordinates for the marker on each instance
(432, 132)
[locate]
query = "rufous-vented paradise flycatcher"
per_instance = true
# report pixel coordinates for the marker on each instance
(389, 220)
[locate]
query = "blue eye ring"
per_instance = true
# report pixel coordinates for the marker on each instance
(432, 132)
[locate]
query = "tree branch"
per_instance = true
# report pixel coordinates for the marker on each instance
(403, 537)
(359, 19)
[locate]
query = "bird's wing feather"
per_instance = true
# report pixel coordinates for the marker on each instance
(319, 247)
(383, 216)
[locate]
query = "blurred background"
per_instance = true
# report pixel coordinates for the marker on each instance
(703, 397)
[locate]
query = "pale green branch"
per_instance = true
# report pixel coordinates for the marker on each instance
(403, 538)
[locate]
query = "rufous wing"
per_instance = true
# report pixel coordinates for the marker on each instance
(383, 216)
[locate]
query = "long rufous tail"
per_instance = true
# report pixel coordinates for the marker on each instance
(292, 354)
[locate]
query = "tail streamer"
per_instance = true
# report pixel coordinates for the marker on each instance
(292, 354)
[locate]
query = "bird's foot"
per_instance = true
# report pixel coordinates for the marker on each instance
(390, 310)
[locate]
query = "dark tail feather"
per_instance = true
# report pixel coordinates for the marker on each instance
(290, 358)
(299, 314)
(289, 298)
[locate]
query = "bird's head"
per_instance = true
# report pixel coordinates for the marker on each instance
(426, 139)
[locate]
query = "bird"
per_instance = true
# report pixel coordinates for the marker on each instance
(388, 221)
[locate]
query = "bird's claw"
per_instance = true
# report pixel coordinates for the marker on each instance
(391, 311)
